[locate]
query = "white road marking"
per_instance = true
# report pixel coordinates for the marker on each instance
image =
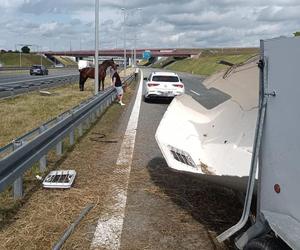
(109, 228)
(196, 93)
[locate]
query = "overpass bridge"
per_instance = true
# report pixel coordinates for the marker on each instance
(120, 52)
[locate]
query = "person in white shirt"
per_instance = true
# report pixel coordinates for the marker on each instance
(136, 72)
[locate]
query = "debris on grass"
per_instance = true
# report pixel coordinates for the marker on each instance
(44, 93)
(59, 179)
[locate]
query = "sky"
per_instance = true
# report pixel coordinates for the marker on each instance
(70, 24)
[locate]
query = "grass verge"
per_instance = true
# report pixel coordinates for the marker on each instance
(23, 113)
(13, 59)
(40, 220)
(65, 61)
(208, 64)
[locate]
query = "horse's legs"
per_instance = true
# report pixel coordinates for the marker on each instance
(101, 83)
(82, 80)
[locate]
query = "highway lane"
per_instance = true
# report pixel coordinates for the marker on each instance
(194, 87)
(167, 209)
(7, 78)
(209, 98)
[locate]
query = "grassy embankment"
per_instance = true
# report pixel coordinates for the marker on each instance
(13, 60)
(207, 64)
(65, 61)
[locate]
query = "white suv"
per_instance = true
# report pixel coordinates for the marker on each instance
(163, 84)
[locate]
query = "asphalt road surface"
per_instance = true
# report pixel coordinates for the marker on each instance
(167, 209)
(9, 77)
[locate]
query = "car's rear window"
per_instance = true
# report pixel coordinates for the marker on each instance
(165, 79)
(36, 67)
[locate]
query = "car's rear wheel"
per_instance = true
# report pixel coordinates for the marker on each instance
(146, 99)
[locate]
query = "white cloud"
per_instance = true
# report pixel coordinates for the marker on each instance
(163, 23)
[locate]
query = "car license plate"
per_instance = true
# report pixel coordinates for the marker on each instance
(168, 93)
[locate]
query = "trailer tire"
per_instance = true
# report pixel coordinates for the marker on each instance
(265, 243)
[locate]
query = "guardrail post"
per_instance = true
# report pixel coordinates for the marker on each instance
(43, 163)
(94, 117)
(59, 149)
(87, 122)
(98, 112)
(43, 160)
(18, 183)
(80, 129)
(72, 137)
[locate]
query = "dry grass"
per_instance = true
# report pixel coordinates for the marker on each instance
(23, 113)
(40, 221)
(208, 64)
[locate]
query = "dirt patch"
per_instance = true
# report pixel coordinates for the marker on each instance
(215, 207)
(40, 221)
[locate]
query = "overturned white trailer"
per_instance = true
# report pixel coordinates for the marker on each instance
(256, 126)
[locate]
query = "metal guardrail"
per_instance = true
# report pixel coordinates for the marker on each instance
(16, 68)
(13, 68)
(25, 151)
(25, 86)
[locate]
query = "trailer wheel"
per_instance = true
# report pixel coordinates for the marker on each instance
(266, 243)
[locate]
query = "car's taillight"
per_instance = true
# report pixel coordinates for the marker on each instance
(152, 84)
(178, 85)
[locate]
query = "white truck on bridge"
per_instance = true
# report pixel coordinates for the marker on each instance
(221, 141)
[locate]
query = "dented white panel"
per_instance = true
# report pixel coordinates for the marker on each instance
(219, 140)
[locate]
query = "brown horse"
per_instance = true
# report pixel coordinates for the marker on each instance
(89, 72)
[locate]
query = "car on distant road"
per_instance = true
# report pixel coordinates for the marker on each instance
(38, 70)
(163, 85)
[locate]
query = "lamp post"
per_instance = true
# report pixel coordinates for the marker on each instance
(22, 45)
(96, 46)
(39, 48)
(124, 37)
(135, 39)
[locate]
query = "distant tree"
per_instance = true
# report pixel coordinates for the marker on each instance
(25, 49)
(3, 51)
(9, 51)
(297, 33)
